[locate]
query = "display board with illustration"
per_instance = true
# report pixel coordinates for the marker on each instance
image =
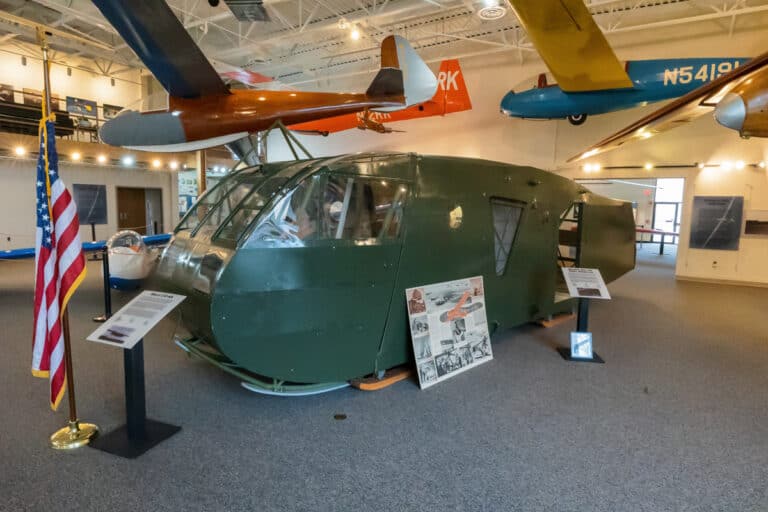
(716, 222)
(81, 107)
(449, 328)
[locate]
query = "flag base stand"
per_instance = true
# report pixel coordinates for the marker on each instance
(75, 435)
(120, 442)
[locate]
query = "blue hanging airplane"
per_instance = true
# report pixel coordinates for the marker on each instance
(590, 78)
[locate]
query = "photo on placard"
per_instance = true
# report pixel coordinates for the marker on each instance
(422, 348)
(449, 329)
(427, 372)
(416, 302)
(448, 362)
(589, 292)
(32, 97)
(419, 325)
(116, 333)
(6, 93)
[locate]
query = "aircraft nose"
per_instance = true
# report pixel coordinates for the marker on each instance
(731, 111)
(508, 103)
(132, 128)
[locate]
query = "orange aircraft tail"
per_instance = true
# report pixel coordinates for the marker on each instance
(452, 92)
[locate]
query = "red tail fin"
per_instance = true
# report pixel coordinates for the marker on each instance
(451, 92)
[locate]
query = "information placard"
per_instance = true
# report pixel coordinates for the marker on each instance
(134, 320)
(449, 328)
(586, 283)
(581, 345)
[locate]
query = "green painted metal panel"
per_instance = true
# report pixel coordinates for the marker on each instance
(317, 309)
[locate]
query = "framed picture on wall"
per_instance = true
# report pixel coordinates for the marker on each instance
(6, 93)
(716, 222)
(91, 203)
(81, 107)
(32, 97)
(110, 111)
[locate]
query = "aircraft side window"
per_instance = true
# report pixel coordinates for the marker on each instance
(222, 210)
(506, 219)
(249, 208)
(355, 208)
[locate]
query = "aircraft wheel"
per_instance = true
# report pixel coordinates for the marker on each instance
(577, 119)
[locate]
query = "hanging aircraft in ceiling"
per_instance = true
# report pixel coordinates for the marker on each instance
(451, 96)
(203, 112)
(739, 100)
(590, 78)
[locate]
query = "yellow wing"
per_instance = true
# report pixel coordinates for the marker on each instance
(571, 44)
(682, 110)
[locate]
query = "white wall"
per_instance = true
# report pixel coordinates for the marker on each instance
(17, 207)
(81, 84)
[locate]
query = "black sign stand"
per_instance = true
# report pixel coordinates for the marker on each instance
(582, 321)
(139, 434)
(107, 293)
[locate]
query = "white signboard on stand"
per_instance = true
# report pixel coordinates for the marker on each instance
(133, 321)
(586, 283)
(449, 328)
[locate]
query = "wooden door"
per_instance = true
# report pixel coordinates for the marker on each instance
(131, 209)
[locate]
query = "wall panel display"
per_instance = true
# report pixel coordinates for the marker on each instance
(716, 222)
(81, 107)
(6, 93)
(32, 97)
(449, 328)
(111, 111)
(91, 203)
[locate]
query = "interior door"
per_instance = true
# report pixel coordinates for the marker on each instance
(666, 218)
(131, 209)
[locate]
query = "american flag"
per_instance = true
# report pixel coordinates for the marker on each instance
(59, 264)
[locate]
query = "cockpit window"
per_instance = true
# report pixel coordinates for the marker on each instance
(211, 199)
(249, 208)
(356, 208)
(333, 207)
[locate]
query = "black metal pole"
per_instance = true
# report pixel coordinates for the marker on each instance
(135, 404)
(661, 245)
(107, 289)
(582, 319)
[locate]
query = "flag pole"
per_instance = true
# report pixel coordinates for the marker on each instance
(75, 434)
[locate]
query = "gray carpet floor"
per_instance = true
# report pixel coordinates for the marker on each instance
(676, 420)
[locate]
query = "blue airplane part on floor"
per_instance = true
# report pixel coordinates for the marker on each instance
(653, 80)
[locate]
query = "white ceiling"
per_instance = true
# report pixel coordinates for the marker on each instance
(304, 44)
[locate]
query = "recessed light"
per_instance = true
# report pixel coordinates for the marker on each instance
(20, 151)
(156, 163)
(127, 160)
(102, 159)
(648, 166)
(173, 165)
(76, 156)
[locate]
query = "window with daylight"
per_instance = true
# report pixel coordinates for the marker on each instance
(506, 218)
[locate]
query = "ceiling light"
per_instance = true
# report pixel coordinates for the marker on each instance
(173, 165)
(20, 151)
(727, 166)
(343, 24)
(127, 160)
(355, 34)
(102, 159)
(156, 163)
(739, 164)
(761, 164)
(700, 165)
(76, 156)
(595, 167)
(262, 98)
(648, 166)
(489, 10)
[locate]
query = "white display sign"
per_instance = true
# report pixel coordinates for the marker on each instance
(449, 328)
(586, 283)
(581, 345)
(133, 321)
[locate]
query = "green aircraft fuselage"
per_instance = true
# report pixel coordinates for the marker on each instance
(297, 271)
